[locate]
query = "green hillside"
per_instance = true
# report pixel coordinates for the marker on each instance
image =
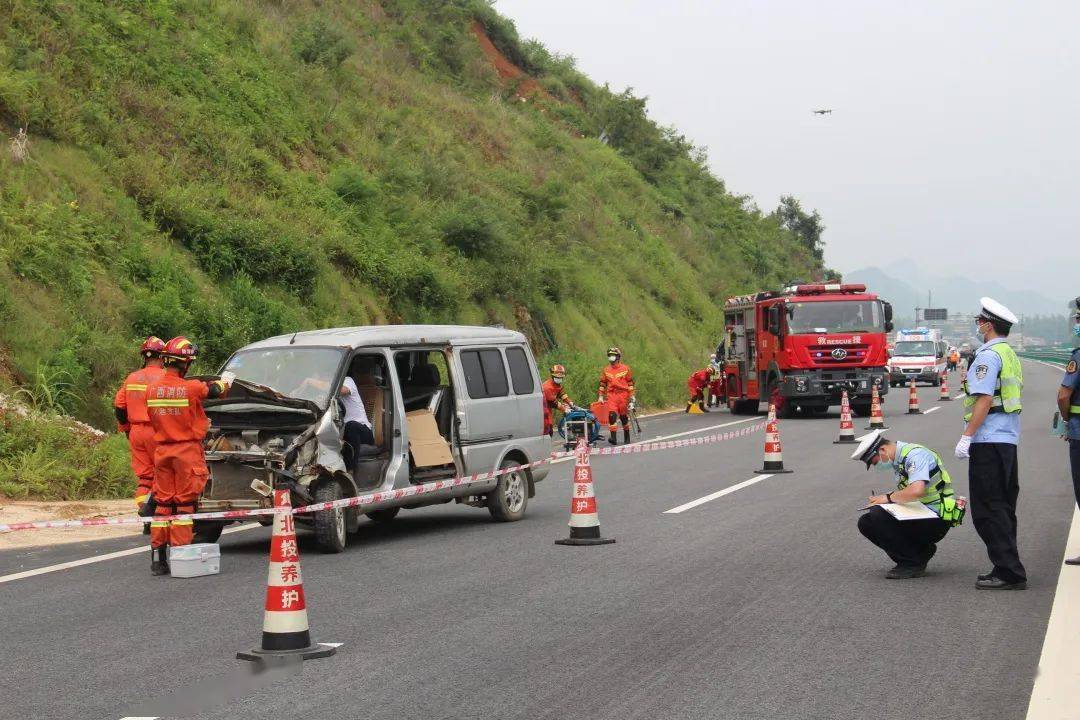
(233, 169)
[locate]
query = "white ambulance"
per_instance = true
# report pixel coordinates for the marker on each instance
(918, 354)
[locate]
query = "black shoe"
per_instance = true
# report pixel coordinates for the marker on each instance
(906, 572)
(996, 583)
(613, 439)
(1073, 561)
(626, 436)
(703, 408)
(987, 576)
(159, 560)
(687, 407)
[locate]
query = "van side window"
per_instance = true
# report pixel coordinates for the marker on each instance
(520, 372)
(485, 375)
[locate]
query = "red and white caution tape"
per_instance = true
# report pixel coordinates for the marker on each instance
(384, 495)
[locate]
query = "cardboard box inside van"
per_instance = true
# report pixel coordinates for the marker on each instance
(427, 446)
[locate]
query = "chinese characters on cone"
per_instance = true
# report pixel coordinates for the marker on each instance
(847, 428)
(584, 522)
(945, 387)
(913, 399)
(285, 622)
(774, 457)
(877, 420)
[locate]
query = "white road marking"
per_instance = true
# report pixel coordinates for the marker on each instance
(99, 558)
(140, 717)
(1056, 366)
(669, 437)
(961, 396)
(333, 645)
(936, 407)
(1054, 694)
(718, 494)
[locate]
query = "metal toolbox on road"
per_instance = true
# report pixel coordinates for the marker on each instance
(188, 561)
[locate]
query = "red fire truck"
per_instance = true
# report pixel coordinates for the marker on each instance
(803, 345)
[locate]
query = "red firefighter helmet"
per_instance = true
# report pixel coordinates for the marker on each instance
(558, 371)
(152, 347)
(180, 350)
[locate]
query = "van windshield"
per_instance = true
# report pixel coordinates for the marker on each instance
(846, 316)
(304, 373)
(912, 348)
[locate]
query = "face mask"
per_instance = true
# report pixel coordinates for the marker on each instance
(1076, 329)
(612, 358)
(557, 381)
(884, 465)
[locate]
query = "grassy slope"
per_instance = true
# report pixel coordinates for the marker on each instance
(232, 169)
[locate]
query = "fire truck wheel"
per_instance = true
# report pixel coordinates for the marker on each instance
(861, 409)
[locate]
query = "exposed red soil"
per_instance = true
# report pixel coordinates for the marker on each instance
(524, 86)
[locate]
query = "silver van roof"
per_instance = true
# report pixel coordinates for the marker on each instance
(376, 335)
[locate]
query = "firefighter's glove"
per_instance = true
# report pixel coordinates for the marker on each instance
(963, 447)
(601, 399)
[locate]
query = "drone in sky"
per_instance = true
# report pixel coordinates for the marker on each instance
(826, 111)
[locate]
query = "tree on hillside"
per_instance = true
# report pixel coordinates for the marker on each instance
(807, 228)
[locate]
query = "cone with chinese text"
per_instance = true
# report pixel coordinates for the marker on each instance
(877, 420)
(285, 622)
(584, 522)
(945, 387)
(847, 428)
(913, 399)
(774, 457)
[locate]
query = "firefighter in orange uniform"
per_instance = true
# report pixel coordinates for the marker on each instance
(717, 386)
(617, 392)
(180, 472)
(132, 420)
(697, 383)
(555, 398)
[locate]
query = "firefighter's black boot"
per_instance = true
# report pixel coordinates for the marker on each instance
(159, 560)
(626, 435)
(688, 404)
(614, 438)
(701, 404)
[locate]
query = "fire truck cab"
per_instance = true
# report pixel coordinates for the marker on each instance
(802, 346)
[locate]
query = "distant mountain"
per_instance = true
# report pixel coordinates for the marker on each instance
(958, 294)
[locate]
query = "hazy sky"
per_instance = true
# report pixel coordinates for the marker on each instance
(955, 136)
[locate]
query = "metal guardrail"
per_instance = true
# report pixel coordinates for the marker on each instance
(1054, 355)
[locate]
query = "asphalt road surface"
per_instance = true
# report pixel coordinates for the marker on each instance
(761, 603)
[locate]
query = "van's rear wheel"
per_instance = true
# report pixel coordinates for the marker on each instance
(330, 526)
(383, 516)
(207, 532)
(507, 502)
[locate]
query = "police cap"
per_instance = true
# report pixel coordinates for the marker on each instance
(869, 447)
(993, 310)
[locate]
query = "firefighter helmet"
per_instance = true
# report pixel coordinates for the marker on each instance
(180, 350)
(558, 371)
(152, 347)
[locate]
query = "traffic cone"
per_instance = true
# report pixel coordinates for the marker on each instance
(285, 622)
(877, 420)
(584, 522)
(847, 428)
(774, 457)
(945, 387)
(913, 399)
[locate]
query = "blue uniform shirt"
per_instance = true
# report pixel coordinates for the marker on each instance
(1072, 380)
(982, 379)
(917, 465)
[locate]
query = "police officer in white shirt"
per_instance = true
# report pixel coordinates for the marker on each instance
(358, 429)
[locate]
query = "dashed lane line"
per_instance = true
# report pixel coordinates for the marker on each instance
(718, 494)
(99, 558)
(933, 409)
(661, 438)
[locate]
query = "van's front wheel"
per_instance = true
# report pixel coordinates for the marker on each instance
(330, 526)
(507, 502)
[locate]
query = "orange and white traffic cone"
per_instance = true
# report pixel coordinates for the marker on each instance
(774, 456)
(877, 419)
(913, 399)
(945, 387)
(285, 622)
(584, 522)
(847, 428)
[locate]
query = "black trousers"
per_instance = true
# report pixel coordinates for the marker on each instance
(994, 483)
(910, 543)
(356, 434)
(1074, 464)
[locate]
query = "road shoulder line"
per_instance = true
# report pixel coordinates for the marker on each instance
(1054, 695)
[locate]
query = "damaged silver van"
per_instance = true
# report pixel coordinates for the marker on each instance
(443, 401)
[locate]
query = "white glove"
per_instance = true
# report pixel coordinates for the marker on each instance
(963, 447)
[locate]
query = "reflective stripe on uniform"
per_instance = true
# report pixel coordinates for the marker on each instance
(1074, 409)
(136, 387)
(183, 522)
(167, 402)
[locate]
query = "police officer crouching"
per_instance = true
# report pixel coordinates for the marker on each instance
(920, 476)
